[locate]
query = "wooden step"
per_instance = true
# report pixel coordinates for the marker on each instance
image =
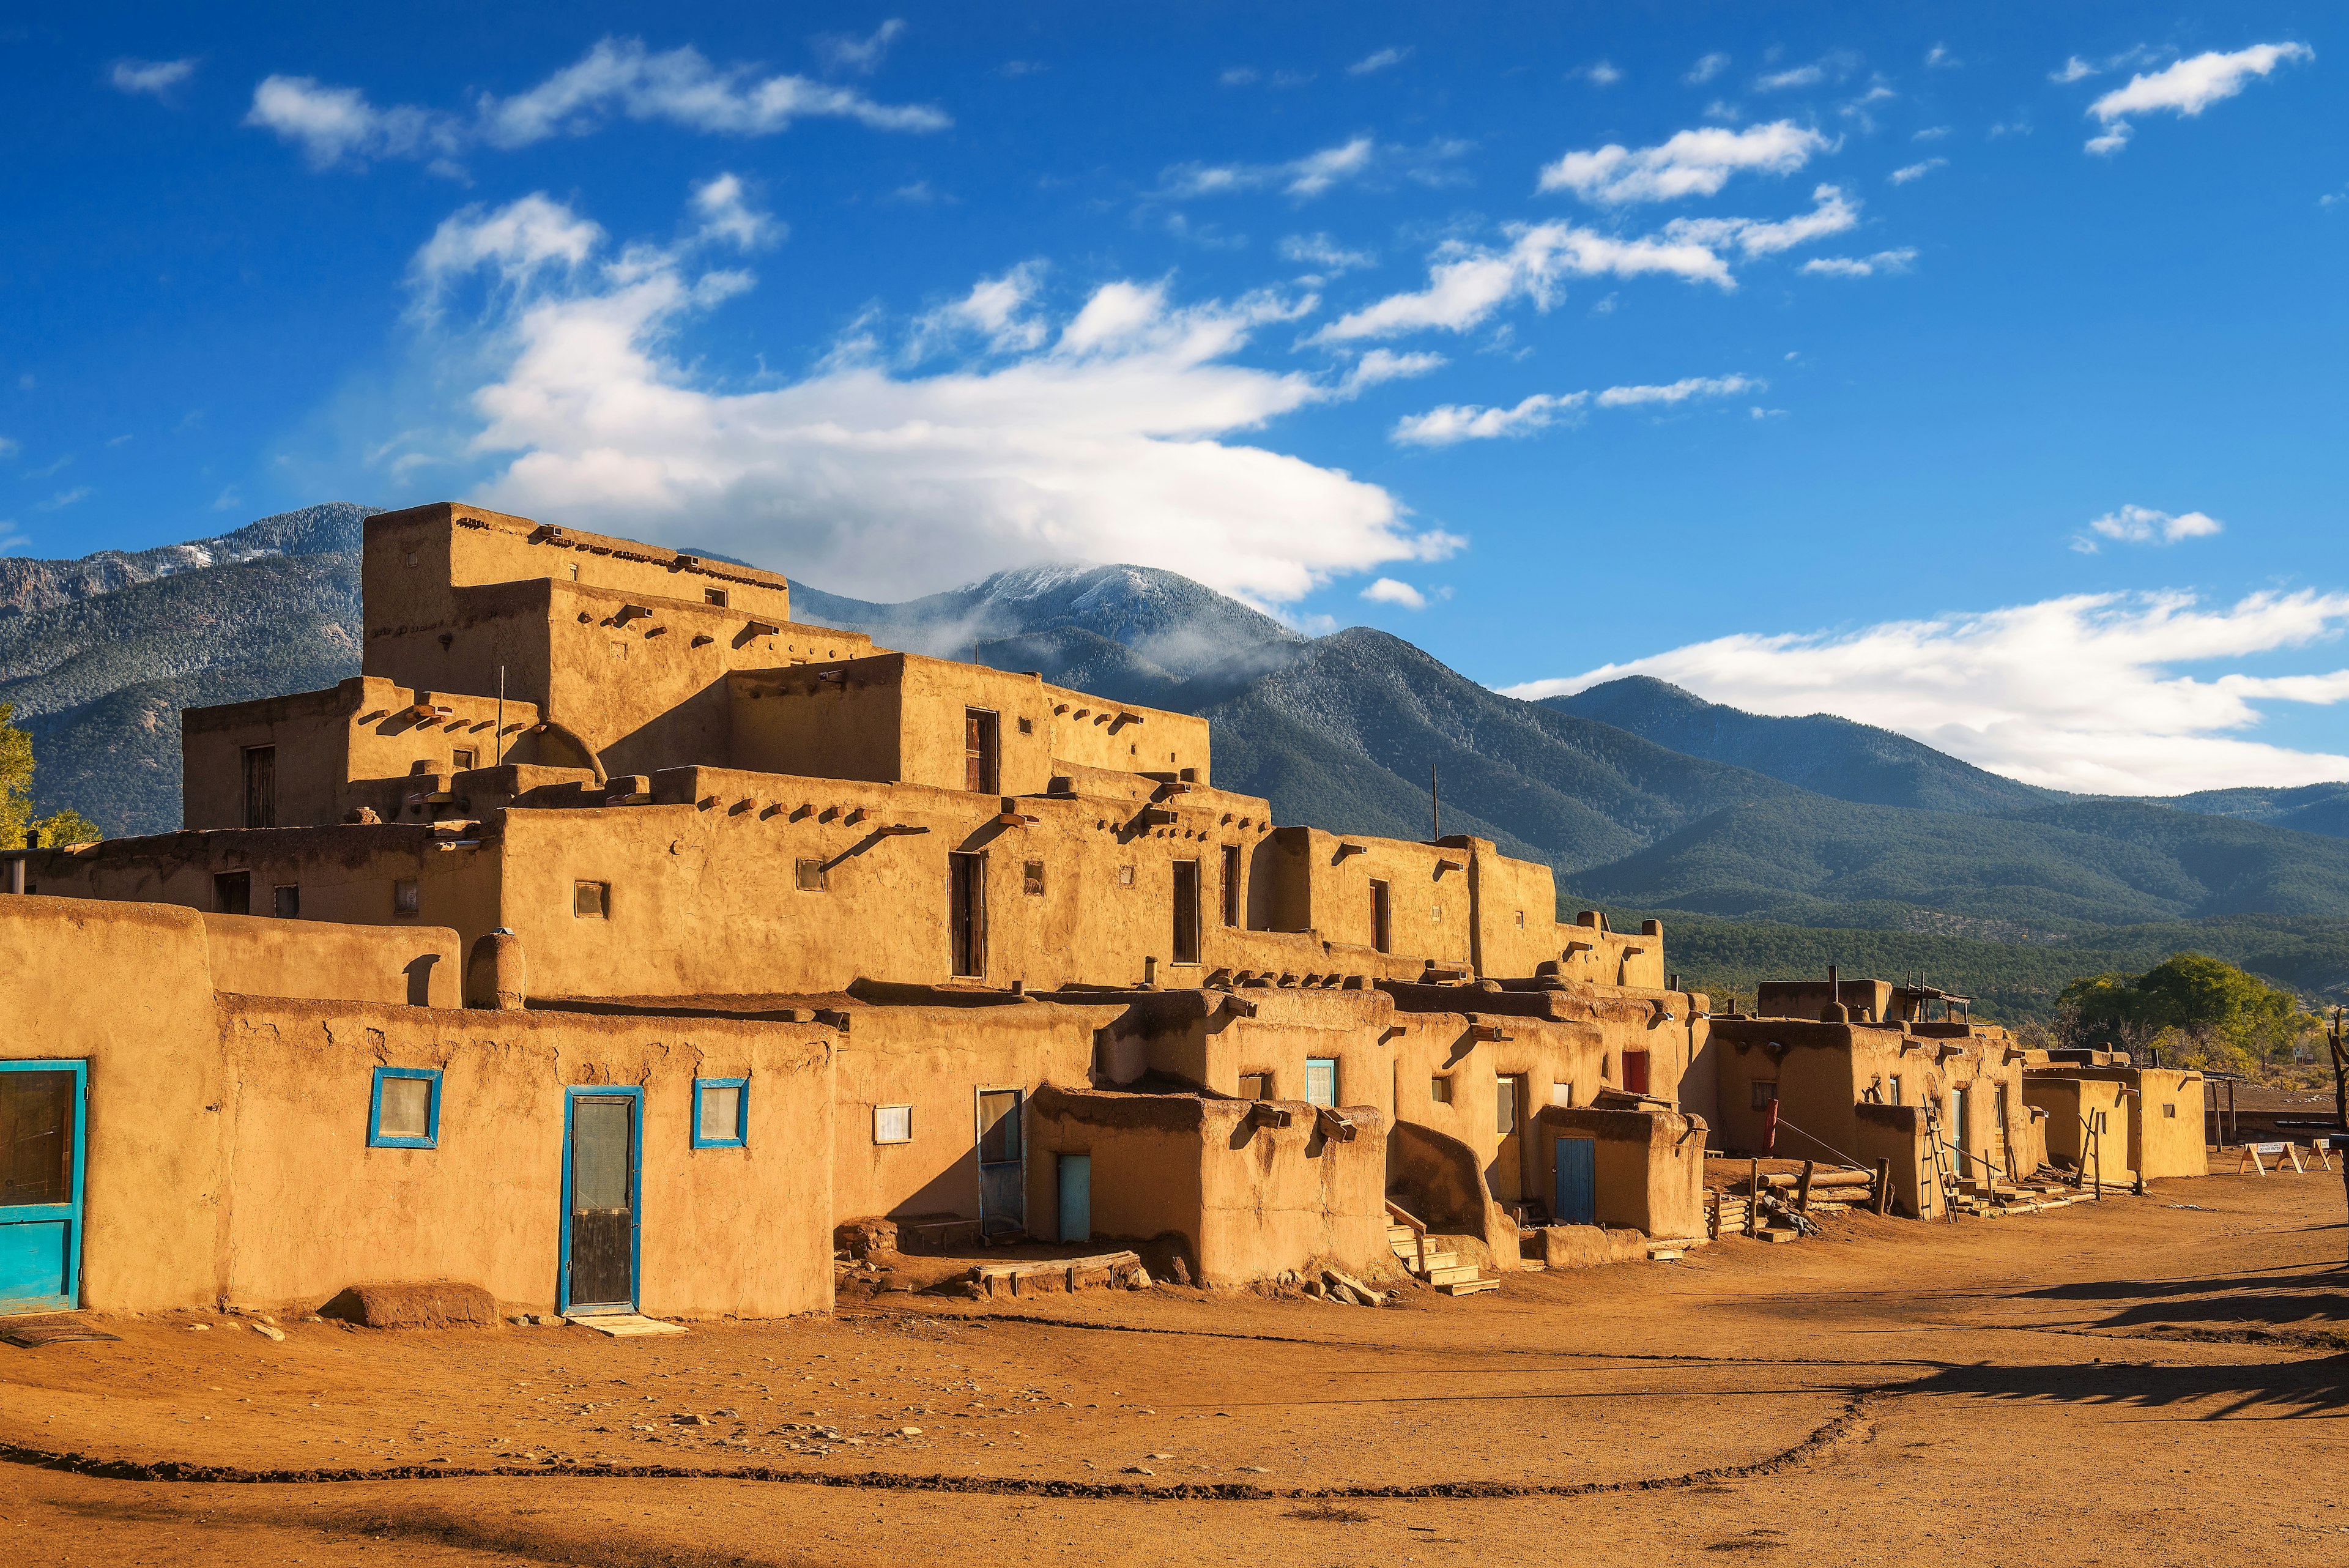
(1467, 1287)
(1450, 1274)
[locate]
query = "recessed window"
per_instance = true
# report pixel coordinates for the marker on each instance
(1231, 884)
(810, 875)
(1026, 726)
(592, 900)
(714, 598)
(2100, 1122)
(893, 1123)
(404, 1112)
(1562, 1094)
(462, 759)
(407, 897)
(2169, 1113)
(1895, 1081)
(1032, 877)
(1435, 913)
(1256, 1085)
(722, 1112)
(980, 757)
(1763, 1095)
(1126, 876)
(1322, 1080)
(1439, 1089)
(1504, 1106)
(285, 902)
(1521, 920)
(233, 892)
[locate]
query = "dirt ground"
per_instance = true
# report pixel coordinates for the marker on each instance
(2145, 1381)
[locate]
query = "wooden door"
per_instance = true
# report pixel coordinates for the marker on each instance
(1509, 1120)
(1076, 1185)
(1635, 1072)
(1002, 1162)
(41, 1120)
(966, 896)
(260, 786)
(1578, 1182)
(601, 1187)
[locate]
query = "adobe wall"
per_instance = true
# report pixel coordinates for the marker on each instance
(346, 875)
(1648, 1165)
(2072, 1100)
(315, 1209)
(840, 720)
(1267, 1198)
(2167, 1123)
(128, 988)
(1896, 1134)
(1089, 732)
(936, 1059)
(1325, 886)
(412, 966)
(1516, 909)
(1211, 1038)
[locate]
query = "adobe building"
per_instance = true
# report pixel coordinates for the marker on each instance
(612, 937)
(2115, 1122)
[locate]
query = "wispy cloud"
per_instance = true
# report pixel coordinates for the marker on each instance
(2186, 89)
(1706, 68)
(1692, 163)
(1794, 77)
(1680, 391)
(1902, 175)
(1360, 160)
(65, 498)
(1321, 251)
(1597, 73)
(1860, 266)
(847, 52)
(2143, 525)
(1384, 59)
(1940, 58)
(1122, 428)
(1832, 213)
(2075, 68)
(156, 79)
(2125, 718)
(334, 125)
(1456, 423)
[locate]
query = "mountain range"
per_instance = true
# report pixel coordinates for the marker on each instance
(1829, 835)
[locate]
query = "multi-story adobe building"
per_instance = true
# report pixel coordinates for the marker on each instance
(611, 937)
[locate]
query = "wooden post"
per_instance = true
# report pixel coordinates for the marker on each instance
(2097, 1152)
(2334, 1037)
(1803, 1189)
(1754, 1199)
(1884, 1185)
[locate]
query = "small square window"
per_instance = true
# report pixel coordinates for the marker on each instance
(810, 875)
(592, 900)
(1031, 875)
(407, 897)
(714, 598)
(722, 1112)
(2169, 1113)
(1435, 913)
(462, 759)
(1256, 1085)
(1126, 876)
(1561, 1094)
(285, 902)
(1521, 920)
(1895, 1081)
(893, 1123)
(233, 892)
(404, 1111)
(1026, 726)
(1322, 1080)
(1439, 1089)
(1764, 1094)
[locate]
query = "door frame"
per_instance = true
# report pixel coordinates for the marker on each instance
(572, 1095)
(978, 1146)
(69, 1211)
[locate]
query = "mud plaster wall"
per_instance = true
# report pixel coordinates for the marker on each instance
(418, 966)
(1649, 1165)
(2171, 1145)
(126, 988)
(936, 1059)
(314, 1210)
(2072, 1104)
(1896, 1134)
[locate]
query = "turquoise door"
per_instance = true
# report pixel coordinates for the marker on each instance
(1076, 1196)
(42, 1106)
(1578, 1182)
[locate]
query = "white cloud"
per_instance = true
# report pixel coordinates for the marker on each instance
(1597, 73)
(1902, 175)
(845, 52)
(1390, 591)
(1118, 436)
(65, 498)
(1680, 391)
(1832, 213)
(2084, 693)
(1860, 266)
(1938, 58)
(1705, 69)
(520, 241)
(1692, 163)
(1456, 423)
(1931, 133)
(1468, 282)
(999, 309)
(2076, 69)
(725, 215)
(2143, 525)
(1358, 161)
(154, 77)
(1385, 365)
(1321, 251)
(2188, 88)
(332, 124)
(1798, 77)
(1380, 61)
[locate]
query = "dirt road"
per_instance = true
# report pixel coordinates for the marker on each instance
(2145, 1381)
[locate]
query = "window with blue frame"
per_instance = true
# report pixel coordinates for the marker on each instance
(404, 1112)
(722, 1112)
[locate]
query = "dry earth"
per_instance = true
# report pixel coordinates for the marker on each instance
(2146, 1381)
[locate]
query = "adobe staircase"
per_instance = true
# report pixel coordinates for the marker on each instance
(1445, 1271)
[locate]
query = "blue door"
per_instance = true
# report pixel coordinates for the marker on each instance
(602, 1194)
(42, 1106)
(1076, 1198)
(1578, 1181)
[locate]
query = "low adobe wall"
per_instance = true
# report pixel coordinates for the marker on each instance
(1649, 1164)
(258, 955)
(1897, 1132)
(1252, 1201)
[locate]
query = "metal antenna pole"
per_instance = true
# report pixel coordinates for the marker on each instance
(498, 739)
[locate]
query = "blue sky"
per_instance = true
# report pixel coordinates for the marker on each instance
(1973, 370)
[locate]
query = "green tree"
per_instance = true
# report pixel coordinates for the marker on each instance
(66, 827)
(2194, 1010)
